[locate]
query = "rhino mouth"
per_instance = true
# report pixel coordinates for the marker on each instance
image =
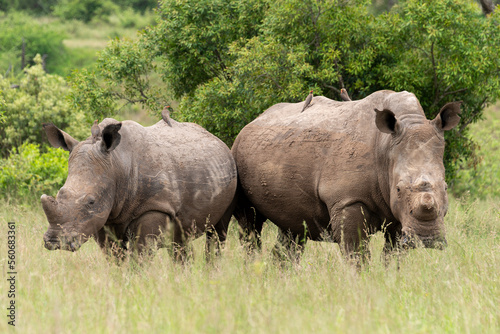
(411, 241)
(70, 244)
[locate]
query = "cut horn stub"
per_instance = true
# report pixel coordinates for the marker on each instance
(50, 207)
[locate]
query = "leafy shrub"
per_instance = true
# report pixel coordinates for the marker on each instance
(139, 5)
(84, 10)
(2, 108)
(28, 171)
(130, 18)
(40, 98)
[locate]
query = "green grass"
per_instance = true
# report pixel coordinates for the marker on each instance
(451, 291)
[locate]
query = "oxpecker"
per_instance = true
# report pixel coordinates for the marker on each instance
(165, 114)
(308, 100)
(344, 96)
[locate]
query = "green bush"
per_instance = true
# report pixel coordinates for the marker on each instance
(40, 98)
(2, 108)
(139, 5)
(84, 10)
(28, 172)
(130, 18)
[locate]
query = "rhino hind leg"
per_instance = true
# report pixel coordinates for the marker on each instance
(217, 234)
(289, 246)
(250, 222)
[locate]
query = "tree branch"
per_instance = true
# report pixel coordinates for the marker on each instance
(435, 88)
(271, 78)
(341, 80)
(222, 66)
(442, 96)
(332, 88)
(473, 116)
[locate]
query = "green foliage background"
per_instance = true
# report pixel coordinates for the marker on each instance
(225, 61)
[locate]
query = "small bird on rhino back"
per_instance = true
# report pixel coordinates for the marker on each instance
(308, 100)
(95, 130)
(165, 114)
(344, 96)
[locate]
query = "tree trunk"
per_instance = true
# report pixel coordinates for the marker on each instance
(487, 6)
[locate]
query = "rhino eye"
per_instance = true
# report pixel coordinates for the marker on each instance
(398, 189)
(445, 186)
(90, 200)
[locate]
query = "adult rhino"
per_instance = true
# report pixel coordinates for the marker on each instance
(136, 184)
(340, 171)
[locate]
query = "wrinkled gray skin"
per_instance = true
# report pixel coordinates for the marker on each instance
(137, 183)
(346, 169)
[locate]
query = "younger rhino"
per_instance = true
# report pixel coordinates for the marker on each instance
(342, 170)
(136, 184)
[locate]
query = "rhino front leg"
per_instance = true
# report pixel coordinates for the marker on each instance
(351, 229)
(392, 248)
(110, 243)
(145, 234)
(142, 236)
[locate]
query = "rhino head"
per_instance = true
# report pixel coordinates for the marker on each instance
(416, 175)
(83, 205)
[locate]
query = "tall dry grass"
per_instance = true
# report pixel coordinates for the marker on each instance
(451, 291)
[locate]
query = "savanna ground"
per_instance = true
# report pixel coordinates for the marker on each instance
(425, 291)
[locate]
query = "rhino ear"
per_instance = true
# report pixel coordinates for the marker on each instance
(448, 117)
(386, 121)
(59, 138)
(110, 137)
